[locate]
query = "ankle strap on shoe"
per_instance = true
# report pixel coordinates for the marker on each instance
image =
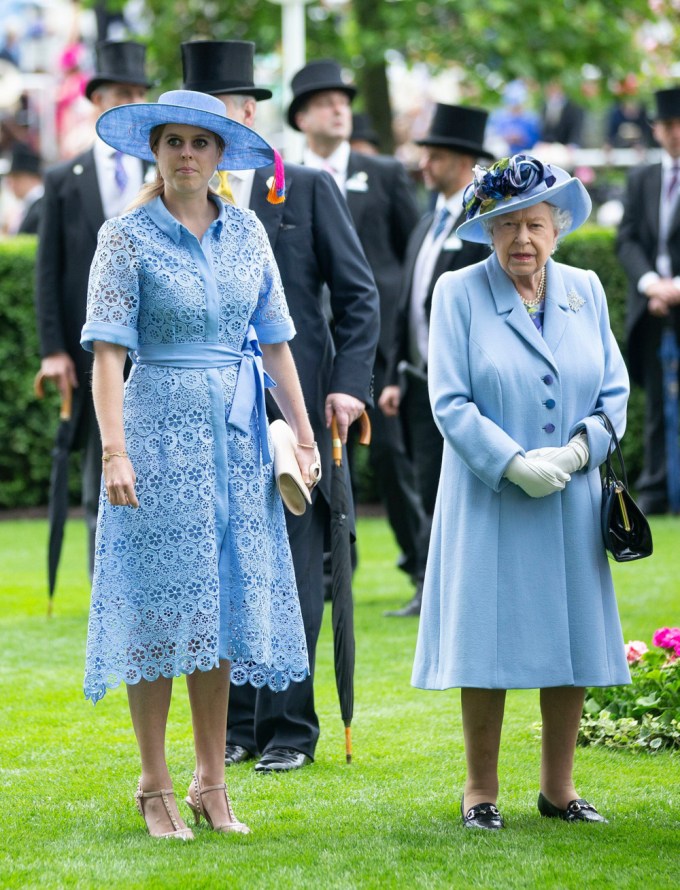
(206, 788)
(164, 792)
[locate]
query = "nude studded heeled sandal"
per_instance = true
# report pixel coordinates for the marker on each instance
(194, 801)
(182, 834)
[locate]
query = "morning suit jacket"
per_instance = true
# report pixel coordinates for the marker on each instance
(72, 214)
(381, 202)
(314, 242)
(637, 245)
(455, 254)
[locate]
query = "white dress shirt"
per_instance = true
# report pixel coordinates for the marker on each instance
(666, 211)
(241, 184)
(335, 164)
(114, 201)
(423, 271)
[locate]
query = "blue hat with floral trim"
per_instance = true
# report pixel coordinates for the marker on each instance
(517, 182)
(127, 128)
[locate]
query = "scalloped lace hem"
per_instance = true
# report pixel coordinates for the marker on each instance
(242, 673)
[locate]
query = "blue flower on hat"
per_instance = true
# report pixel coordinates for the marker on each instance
(503, 180)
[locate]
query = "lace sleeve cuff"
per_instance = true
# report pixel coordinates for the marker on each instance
(108, 333)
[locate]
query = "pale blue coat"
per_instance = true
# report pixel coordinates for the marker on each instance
(518, 591)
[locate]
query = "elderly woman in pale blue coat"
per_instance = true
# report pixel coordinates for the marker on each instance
(518, 591)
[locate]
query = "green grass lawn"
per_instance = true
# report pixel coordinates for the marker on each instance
(68, 771)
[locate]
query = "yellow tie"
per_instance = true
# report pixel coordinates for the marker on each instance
(224, 191)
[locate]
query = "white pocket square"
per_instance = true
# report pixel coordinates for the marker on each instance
(358, 182)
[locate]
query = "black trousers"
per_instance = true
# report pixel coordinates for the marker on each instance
(652, 483)
(394, 475)
(426, 446)
(259, 719)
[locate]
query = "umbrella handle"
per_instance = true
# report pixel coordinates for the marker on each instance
(364, 435)
(364, 429)
(66, 405)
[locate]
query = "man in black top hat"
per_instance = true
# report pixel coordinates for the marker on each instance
(25, 180)
(80, 194)
(381, 202)
(314, 243)
(451, 148)
(648, 247)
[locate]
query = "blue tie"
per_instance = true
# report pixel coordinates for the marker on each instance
(120, 174)
(440, 221)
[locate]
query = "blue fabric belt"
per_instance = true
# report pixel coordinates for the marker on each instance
(250, 384)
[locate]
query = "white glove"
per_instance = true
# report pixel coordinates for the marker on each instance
(537, 477)
(571, 458)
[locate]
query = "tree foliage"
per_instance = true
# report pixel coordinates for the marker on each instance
(493, 41)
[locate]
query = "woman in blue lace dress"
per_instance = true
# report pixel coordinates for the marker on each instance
(193, 572)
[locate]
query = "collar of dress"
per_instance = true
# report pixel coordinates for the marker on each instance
(167, 223)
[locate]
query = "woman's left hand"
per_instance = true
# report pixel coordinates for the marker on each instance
(309, 461)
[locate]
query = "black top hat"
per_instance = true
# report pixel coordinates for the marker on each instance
(24, 159)
(667, 103)
(458, 129)
(362, 128)
(221, 66)
(118, 61)
(315, 77)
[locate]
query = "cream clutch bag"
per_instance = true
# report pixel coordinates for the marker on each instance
(294, 493)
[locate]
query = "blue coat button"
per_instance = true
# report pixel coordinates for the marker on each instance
(548, 379)
(549, 403)
(549, 427)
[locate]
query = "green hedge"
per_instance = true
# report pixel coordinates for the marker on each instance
(593, 248)
(27, 426)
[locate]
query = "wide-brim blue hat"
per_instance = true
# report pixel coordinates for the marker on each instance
(517, 182)
(127, 128)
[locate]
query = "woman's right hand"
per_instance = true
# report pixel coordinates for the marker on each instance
(119, 479)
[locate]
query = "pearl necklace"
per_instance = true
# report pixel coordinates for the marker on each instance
(540, 292)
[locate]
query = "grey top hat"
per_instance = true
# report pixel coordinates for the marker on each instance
(221, 66)
(118, 61)
(315, 77)
(667, 103)
(458, 128)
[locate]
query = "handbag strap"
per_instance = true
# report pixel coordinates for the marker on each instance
(614, 446)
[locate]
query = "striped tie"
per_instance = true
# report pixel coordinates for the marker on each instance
(120, 173)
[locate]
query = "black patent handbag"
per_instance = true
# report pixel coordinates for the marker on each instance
(625, 530)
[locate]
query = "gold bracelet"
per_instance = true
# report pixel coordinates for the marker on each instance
(107, 455)
(304, 445)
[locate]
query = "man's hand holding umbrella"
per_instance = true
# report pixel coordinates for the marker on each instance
(346, 409)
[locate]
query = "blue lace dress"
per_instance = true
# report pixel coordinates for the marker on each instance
(202, 571)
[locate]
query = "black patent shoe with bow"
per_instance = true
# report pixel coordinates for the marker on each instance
(482, 815)
(578, 810)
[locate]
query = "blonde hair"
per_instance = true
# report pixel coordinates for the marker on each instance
(151, 190)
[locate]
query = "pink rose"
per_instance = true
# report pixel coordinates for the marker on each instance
(666, 637)
(635, 649)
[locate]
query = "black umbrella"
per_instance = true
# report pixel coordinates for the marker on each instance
(669, 361)
(58, 494)
(341, 581)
